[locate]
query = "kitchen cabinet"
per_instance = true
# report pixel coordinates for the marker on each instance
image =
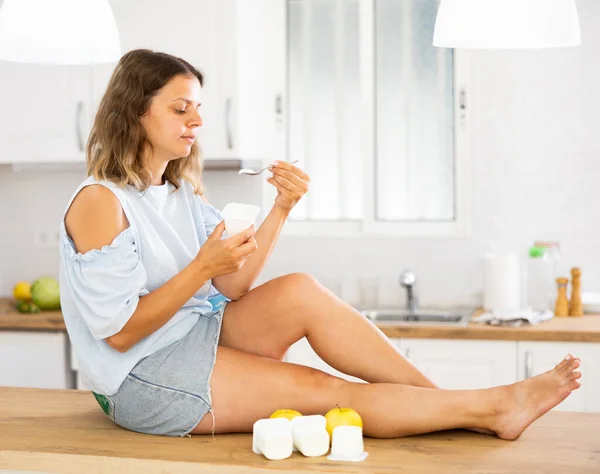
(537, 357)
(79, 385)
(231, 43)
(456, 364)
(34, 359)
(44, 113)
(473, 364)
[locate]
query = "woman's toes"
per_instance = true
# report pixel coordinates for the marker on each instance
(573, 385)
(575, 375)
(562, 365)
(571, 365)
(567, 362)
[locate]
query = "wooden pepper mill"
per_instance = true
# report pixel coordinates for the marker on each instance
(561, 308)
(576, 306)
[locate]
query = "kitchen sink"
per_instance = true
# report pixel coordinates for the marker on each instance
(419, 316)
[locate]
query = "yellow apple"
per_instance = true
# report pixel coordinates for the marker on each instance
(286, 413)
(342, 417)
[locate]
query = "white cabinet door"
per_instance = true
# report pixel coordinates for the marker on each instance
(33, 359)
(44, 113)
(184, 28)
(538, 357)
(302, 353)
(459, 364)
(250, 38)
(231, 42)
(79, 385)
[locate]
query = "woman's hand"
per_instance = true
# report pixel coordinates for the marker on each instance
(222, 256)
(291, 184)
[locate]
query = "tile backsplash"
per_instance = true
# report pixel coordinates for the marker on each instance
(535, 174)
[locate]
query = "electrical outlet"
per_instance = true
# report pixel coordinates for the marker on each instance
(45, 239)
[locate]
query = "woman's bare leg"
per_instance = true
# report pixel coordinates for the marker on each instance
(273, 316)
(247, 387)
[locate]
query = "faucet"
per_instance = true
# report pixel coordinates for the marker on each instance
(408, 280)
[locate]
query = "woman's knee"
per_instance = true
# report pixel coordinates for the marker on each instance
(296, 289)
(298, 282)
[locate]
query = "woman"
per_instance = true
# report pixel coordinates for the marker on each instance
(141, 251)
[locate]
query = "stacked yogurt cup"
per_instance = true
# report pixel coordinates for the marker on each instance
(278, 438)
(239, 217)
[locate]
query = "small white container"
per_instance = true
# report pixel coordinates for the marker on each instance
(310, 435)
(347, 444)
(591, 302)
(238, 217)
(272, 437)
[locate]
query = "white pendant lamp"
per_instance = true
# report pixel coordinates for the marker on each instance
(58, 32)
(506, 24)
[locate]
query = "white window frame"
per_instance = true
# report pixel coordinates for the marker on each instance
(369, 226)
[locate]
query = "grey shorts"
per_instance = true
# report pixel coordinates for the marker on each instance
(168, 392)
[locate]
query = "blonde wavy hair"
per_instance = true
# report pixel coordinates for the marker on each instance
(117, 138)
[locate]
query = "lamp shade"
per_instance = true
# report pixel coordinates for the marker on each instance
(58, 32)
(506, 24)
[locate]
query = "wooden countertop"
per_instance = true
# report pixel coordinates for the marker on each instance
(583, 329)
(11, 319)
(65, 431)
(580, 329)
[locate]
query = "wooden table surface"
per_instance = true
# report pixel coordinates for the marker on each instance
(65, 431)
(582, 329)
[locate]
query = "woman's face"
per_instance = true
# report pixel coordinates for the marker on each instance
(173, 118)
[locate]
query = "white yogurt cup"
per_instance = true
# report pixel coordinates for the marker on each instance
(347, 444)
(272, 437)
(239, 217)
(310, 435)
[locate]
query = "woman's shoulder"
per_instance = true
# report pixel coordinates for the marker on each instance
(98, 193)
(95, 217)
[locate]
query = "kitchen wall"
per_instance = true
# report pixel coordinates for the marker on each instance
(535, 174)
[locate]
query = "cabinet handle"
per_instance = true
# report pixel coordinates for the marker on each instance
(407, 353)
(278, 109)
(228, 130)
(78, 116)
(528, 364)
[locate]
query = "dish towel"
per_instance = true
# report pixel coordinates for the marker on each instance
(514, 318)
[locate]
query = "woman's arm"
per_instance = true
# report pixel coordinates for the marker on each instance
(291, 183)
(235, 285)
(155, 309)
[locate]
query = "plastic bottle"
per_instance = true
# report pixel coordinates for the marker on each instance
(553, 252)
(540, 280)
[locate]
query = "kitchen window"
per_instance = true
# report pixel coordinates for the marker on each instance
(377, 116)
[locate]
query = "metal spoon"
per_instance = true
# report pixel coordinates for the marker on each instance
(251, 172)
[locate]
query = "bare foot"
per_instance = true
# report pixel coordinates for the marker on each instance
(522, 403)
